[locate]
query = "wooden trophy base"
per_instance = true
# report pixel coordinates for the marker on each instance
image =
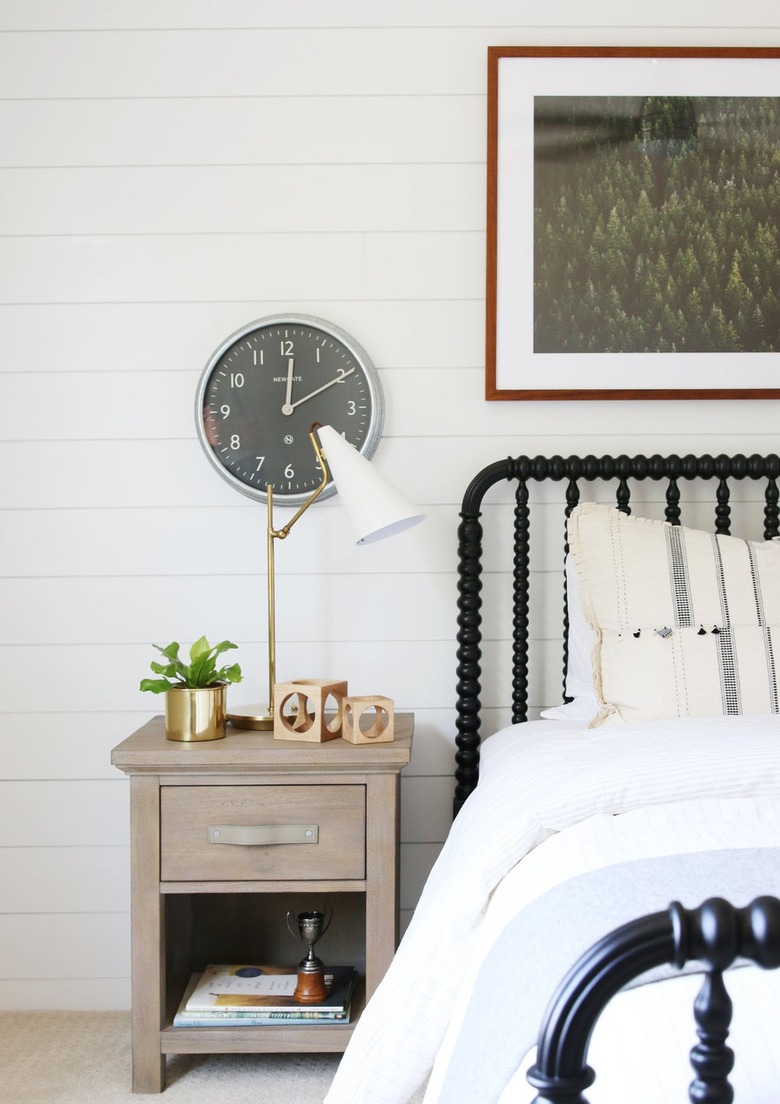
(311, 988)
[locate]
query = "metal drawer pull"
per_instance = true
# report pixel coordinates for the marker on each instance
(248, 835)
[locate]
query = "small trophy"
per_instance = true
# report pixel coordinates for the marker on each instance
(311, 988)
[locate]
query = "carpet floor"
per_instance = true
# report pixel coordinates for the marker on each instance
(84, 1058)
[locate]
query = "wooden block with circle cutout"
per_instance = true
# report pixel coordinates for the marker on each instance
(368, 720)
(309, 709)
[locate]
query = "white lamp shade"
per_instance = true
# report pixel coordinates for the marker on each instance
(375, 508)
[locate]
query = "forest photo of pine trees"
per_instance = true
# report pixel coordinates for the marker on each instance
(656, 224)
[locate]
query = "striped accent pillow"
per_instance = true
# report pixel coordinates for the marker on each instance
(687, 623)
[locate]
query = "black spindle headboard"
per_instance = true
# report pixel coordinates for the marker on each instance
(523, 470)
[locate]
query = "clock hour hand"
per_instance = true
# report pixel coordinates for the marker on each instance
(287, 408)
(341, 376)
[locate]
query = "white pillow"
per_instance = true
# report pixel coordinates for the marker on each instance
(687, 623)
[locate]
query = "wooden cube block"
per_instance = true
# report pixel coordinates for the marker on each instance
(360, 727)
(308, 709)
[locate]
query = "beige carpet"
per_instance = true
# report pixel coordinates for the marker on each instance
(84, 1058)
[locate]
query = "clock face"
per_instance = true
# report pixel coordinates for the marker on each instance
(264, 388)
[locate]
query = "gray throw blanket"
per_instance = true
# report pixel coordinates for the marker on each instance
(540, 944)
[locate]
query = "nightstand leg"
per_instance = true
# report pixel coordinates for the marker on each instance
(148, 937)
(382, 823)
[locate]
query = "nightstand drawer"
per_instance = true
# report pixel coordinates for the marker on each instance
(262, 833)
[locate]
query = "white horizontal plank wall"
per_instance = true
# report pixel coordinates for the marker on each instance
(170, 170)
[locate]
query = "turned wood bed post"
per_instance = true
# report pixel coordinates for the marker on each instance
(714, 934)
(469, 635)
(572, 470)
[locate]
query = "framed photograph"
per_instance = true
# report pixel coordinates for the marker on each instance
(633, 238)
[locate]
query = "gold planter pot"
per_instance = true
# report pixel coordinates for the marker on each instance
(197, 714)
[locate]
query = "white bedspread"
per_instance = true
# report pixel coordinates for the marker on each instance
(497, 1016)
(536, 780)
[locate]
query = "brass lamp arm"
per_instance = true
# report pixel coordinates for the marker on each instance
(280, 534)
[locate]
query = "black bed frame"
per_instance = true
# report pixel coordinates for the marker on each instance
(715, 934)
(572, 470)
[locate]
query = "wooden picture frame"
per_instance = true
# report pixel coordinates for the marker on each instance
(633, 223)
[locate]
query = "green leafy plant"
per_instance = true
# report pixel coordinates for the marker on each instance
(201, 670)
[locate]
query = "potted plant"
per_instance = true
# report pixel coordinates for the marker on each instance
(195, 692)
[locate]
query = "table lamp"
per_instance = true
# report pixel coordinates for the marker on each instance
(375, 509)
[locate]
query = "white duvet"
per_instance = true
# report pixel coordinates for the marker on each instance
(680, 828)
(704, 784)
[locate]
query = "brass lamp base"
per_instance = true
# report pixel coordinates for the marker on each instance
(257, 717)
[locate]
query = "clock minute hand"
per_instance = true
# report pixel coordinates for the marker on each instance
(325, 386)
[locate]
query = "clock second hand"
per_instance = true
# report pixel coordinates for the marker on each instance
(289, 407)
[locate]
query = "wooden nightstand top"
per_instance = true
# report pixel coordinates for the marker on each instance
(147, 751)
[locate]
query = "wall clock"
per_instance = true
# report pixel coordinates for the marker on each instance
(263, 389)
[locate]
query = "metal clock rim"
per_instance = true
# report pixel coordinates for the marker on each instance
(348, 341)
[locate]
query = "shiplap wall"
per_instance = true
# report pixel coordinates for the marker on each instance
(169, 170)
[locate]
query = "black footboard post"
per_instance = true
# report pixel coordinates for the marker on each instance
(715, 934)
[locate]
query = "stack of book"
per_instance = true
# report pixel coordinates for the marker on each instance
(261, 996)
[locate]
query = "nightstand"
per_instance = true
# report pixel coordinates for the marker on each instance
(195, 900)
